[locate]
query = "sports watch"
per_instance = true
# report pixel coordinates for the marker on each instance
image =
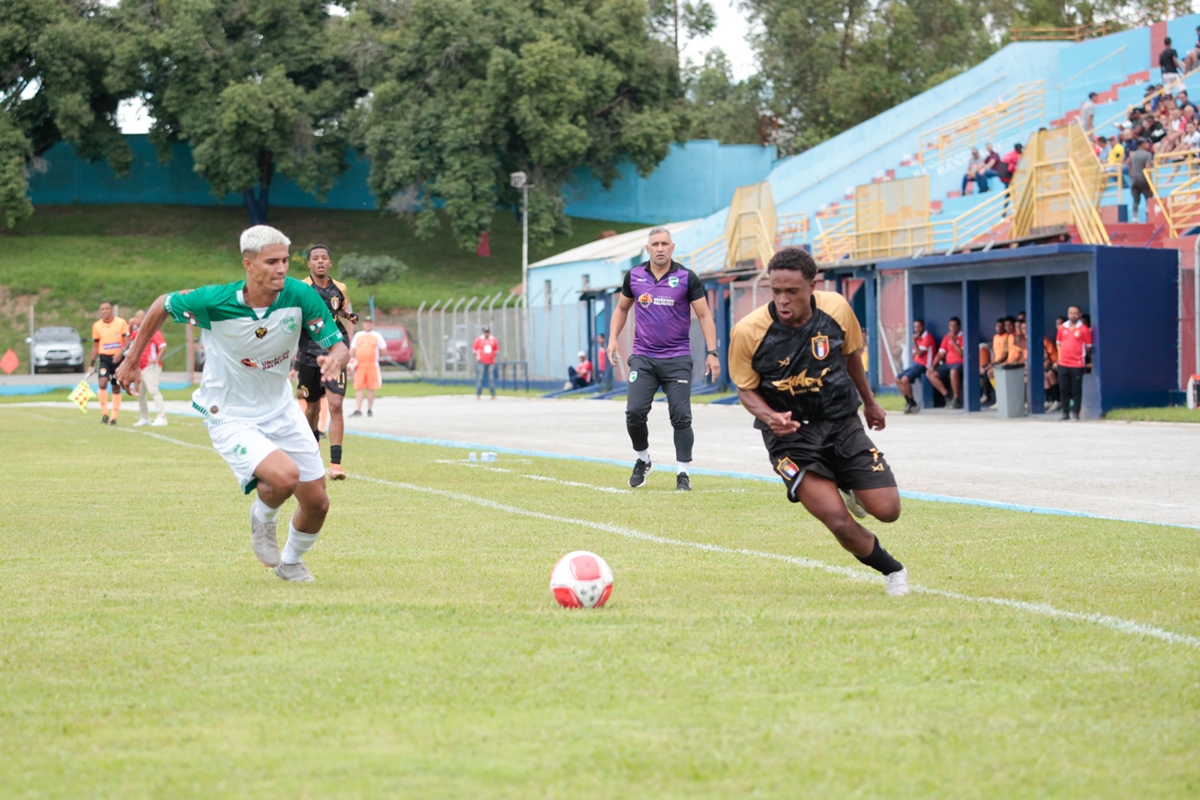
(711, 352)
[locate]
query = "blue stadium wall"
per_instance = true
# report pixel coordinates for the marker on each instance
(696, 179)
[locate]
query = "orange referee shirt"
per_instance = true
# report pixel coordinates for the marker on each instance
(110, 336)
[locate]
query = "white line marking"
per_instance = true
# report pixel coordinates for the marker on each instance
(1042, 609)
(577, 484)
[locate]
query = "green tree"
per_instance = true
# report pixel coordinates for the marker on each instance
(57, 83)
(465, 92)
(668, 18)
(255, 88)
(722, 108)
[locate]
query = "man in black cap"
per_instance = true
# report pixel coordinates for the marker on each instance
(486, 347)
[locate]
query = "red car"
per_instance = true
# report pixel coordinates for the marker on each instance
(399, 347)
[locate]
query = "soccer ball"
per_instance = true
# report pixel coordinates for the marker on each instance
(581, 580)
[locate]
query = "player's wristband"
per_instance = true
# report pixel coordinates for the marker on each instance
(712, 352)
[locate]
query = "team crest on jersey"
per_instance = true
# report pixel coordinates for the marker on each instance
(335, 302)
(260, 333)
(787, 468)
(645, 299)
(288, 325)
(633, 376)
(672, 281)
(820, 347)
(249, 362)
(315, 325)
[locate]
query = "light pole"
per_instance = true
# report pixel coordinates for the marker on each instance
(518, 180)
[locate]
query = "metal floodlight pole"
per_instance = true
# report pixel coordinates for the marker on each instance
(31, 326)
(520, 180)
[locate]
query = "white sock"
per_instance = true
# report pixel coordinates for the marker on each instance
(297, 545)
(644, 455)
(683, 467)
(263, 512)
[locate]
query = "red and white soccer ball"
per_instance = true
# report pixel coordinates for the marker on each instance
(581, 580)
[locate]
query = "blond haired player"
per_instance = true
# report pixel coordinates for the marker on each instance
(110, 334)
(366, 346)
(250, 328)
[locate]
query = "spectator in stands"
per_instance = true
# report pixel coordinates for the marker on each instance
(976, 167)
(1192, 60)
(923, 345)
(1169, 63)
(991, 159)
(1087, 112)
(1139, 160)
(579, 375)
(1191, 136)
(948, 365)
(1074, 340)
(1007, 167)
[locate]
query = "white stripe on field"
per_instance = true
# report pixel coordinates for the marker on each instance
(1041, 609)
(1044, 609)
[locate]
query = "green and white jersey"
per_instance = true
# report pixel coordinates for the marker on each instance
(248, 352)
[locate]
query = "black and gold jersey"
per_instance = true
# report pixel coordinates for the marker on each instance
(338, 301)
(799, 369)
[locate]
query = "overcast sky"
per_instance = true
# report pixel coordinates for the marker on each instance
(730, 36)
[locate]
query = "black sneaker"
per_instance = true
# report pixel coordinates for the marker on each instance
(956, 403)
(683, 483)
(104, 420)
(370, 413)
(640, 470)
(112, 421)
(356, 414)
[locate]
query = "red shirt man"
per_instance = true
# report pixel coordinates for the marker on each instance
(952, 346)
(154, 351)
(1073, 339)
(924, 346)
(486, 347)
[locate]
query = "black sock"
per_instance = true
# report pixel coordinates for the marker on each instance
(880, 560)
(335, 454)
(317, 435)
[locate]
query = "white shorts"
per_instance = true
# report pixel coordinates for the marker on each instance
(244, 445)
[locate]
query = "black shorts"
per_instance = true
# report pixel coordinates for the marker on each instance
(311, 387)
(838, 449)
(106, 368)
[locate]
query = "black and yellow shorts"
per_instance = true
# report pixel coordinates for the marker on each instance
(838, 449)
(106, 367)
(309, 385)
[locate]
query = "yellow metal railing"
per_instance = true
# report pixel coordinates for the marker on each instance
(1059, 181)
(792, 230)
(835, 242)
(707, 257)
(1009, 114)
(1078, 33)
(1120, 51)
(1174, 180)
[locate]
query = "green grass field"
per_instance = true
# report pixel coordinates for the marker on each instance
(144, 652)
(71, 257)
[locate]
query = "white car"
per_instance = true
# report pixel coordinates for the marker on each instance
(56, 348)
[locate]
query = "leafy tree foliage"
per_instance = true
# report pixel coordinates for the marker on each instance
(56, 83)
(465, 92)
(722, 108)
(667, 18)
(255, 88)
(371, 270)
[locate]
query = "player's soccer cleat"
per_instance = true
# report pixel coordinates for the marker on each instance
(263, 542)
(683, 483)
(112, 421)
(356, 414)
(852, 504)
(159, 422)
(104, 420)
(336, 473)
(299, 573)
(640, 470)
(141, 421)
(897, 584)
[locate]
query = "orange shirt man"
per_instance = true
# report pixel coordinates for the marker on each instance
(110, 336)
(366, 347)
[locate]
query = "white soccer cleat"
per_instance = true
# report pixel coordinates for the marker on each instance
(263, 541)
(897, 584)
(141, 421)
(159, 422)
(852, 504)
(296, 573)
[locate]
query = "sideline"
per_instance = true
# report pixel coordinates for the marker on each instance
(1118, 624)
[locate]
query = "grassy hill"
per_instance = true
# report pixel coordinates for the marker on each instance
(69, 258)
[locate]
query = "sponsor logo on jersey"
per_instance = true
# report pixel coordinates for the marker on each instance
(672, 281)
(664, 301)
(315, 325)
(260, 332)
(645, 299)
(275, 361)
(820, 347)
(786, 361)
(801, 383)
(787, 468)
(190, 317)
(288, 325)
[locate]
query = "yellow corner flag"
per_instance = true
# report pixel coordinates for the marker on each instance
(82, 394)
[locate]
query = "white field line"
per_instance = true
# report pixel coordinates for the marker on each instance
(576, 484)
(1117, 624)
